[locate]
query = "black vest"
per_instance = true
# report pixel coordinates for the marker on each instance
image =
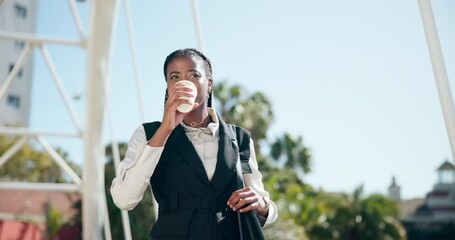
(191, 206)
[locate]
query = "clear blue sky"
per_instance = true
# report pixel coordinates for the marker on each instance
(352, 77)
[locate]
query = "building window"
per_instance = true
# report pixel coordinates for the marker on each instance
(19, 74)
(21, 10)
(14, 101)
(19, 44)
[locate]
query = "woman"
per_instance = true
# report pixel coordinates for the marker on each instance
(191, 161)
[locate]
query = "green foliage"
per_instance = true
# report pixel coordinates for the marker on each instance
(54, 221)
(141, 217)
(251, 111)
(291, 151)
(32, 164)
(355, 217)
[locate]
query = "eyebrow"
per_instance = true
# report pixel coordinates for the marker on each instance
(173, 72)
(177, 72)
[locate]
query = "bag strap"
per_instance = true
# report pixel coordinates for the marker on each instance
(243, 137)
(249, 224)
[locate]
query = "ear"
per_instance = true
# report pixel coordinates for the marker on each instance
(210, 84)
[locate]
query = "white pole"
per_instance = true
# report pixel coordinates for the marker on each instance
(138, 80)
(62, 187)
(12, 150)
(98, 49)
(20, 131)
(76, 18)
(59, 84)
(133, 50)
(114, 143)
(197, 24)
(59, 160)
(32, 39)
(440, 73)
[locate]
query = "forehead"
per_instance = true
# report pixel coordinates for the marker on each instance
(182, 63)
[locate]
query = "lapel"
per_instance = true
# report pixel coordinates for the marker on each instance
(181, 143)
(228, 153)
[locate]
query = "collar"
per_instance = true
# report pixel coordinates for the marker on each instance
(211, 129)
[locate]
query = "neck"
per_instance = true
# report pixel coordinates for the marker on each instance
(198, 118)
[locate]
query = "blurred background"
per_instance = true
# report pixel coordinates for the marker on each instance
(340, 97)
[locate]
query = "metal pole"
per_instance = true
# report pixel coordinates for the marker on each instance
(59, 84)
(197, 24)
(15, 70)
(133, 50)
(440, 73)
(33, 39)
(62, 187)
(12, 150)
(76, 18)
(59, 160)
(20, 131)
(114, 143)
(98, 49)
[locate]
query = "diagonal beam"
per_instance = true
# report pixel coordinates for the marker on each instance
(439, 70)
(77, 19)
(60, 87)
(20, 61)
(59, 160)
(12, 150)
(132, 43)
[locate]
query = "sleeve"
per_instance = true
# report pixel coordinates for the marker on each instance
(254, 181)
(134, 171)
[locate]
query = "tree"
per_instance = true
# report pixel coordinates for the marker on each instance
(353, 217)
(292, 152)
(33, 164)
(254, 112)
(141, 217)
(251, 111)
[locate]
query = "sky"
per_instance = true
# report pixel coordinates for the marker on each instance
(353, 78)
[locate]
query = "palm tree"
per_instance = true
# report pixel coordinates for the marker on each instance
(251, 111)
(291, 152)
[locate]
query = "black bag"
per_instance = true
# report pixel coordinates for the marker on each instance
(249, 226)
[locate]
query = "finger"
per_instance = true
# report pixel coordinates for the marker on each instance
(245, 202)
(250, 207)
(235, 197)
(240, 199)
(240, 193)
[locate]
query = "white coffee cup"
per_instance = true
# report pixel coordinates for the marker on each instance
(185, 107)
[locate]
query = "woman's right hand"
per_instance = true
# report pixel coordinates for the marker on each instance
(172, 117)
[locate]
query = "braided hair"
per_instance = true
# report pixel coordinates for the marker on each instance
(188, 52)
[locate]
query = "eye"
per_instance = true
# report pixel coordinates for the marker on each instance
(173, 77)
(195, 75)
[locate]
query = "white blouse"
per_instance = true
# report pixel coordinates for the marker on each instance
(135, 170)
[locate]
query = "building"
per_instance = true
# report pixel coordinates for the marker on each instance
(434, 216)
(394, 190)
(17, 16)
(439, 203)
